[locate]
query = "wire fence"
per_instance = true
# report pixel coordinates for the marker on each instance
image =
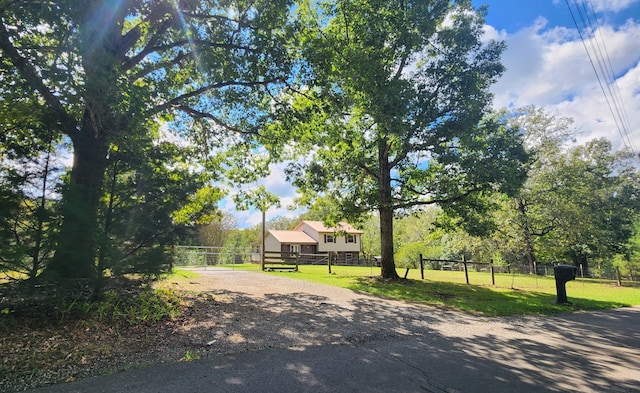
(212, 256)
(207, 256)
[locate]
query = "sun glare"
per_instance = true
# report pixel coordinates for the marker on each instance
(188, 33)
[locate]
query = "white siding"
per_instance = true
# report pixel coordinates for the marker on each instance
(304, 227)
(339, 245)
(271, 243)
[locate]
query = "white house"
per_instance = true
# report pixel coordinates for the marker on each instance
(313, 240)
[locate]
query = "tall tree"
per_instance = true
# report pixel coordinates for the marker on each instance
(532, 214)
(216, 233)
(598, 202)
(99, 70)
(152, 194)
(579, 203)
(394, 111)
(29, 176)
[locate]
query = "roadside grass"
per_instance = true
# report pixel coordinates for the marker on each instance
(62, 335)
(513, 294)
(179, 275)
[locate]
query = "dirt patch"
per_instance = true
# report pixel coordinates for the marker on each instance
(221, 312)
(38, 346)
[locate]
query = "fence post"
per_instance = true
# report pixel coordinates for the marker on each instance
(619, 281)
(421, 267)
(493, 277)
(262, 252)
(466, 273)
(329, 256)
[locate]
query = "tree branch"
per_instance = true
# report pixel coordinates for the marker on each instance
(153, 46)
(128, 41)
(440, 201)
(368, 170)
(204, 115)
(177, 101)
(148, 49)
(28, 72)
(403, 63)
(159, 65)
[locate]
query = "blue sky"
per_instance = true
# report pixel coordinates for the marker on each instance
(514, 15)
(547, 65)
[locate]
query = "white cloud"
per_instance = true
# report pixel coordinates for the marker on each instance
(276, 181)
(611, 5)
(550, 68)
(491, 33)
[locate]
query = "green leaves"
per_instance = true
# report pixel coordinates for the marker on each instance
(259, 198)
(395, 114)
(200, 208)
(400, 103)
(106, 74)
(578, 204)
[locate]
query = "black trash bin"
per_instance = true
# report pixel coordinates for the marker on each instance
(563, 273)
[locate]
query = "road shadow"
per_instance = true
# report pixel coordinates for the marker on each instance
(307, 343)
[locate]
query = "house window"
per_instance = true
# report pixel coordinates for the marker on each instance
(351, 238)
(348, 257)
(295, 248)
(329, 239)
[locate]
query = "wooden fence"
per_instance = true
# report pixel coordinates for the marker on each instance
(276, 260)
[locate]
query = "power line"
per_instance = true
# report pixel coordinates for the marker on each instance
(601, 64)
(608, 70)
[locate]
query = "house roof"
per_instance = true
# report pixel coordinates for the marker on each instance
(319, 227)
(292, 237)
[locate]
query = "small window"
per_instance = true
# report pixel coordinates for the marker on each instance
(329, 239)
(295, 248)
(348, 257)
(351, 238)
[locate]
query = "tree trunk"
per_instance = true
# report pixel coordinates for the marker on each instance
(76, 249)
(41, 217)
(526, 235)
(388, 266)
(75, 255)
(582, 263)
(385, 208)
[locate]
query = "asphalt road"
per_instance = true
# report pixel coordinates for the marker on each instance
(412, 349)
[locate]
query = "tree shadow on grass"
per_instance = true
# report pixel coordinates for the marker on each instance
(477, 299)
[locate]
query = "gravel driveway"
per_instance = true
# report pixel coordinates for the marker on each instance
(328, 332)
(594, 352)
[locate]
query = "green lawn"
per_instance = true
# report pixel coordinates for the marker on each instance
(512, 294)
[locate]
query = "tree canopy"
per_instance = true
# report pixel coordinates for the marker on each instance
(382, 106)
(394, 111)
(105, 74)
(579, 201)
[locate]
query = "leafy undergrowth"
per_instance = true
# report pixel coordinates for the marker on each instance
(63, 336)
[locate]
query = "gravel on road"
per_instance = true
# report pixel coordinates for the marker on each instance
(238, 311)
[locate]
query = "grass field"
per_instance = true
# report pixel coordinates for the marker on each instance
(512, 294)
